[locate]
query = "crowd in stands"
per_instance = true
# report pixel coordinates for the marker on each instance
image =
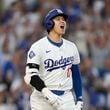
(88, 27)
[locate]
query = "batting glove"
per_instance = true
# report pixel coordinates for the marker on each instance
(51, 98)
(79, 105)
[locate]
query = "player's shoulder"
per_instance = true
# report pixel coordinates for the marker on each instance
(69, 43)
(38, 44)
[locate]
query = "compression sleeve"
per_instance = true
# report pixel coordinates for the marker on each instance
(77, 83)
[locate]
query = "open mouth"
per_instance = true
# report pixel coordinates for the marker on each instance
(62, 27)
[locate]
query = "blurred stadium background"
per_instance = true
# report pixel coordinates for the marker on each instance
(88, 26)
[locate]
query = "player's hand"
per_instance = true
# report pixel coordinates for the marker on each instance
(79, 105)
(51, 98)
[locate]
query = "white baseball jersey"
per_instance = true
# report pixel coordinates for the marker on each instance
(55, 62)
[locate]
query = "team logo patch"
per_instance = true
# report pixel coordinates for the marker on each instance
(31, 54)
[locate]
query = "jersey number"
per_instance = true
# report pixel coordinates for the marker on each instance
(68, 72)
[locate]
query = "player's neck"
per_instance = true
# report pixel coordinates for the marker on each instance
(55, 37)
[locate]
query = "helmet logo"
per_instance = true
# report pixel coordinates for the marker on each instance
(59, 11)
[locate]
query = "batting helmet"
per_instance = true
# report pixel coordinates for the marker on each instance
(48, 21)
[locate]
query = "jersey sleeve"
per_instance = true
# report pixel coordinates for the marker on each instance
(33, 55)
(76, 55)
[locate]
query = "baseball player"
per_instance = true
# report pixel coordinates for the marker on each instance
(53, 68)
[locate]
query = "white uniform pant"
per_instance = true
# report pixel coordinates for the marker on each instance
(38, 102)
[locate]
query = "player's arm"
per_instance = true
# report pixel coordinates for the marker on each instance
(32, 78)
(32, 68)
(77, 85)
(76, 74)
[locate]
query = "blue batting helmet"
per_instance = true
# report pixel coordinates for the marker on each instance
(48, 21)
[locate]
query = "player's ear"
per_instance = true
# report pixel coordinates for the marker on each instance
(47, 24)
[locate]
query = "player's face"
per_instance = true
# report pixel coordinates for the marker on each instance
(60, 25)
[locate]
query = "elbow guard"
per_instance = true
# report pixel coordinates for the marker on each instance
(37, 82)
